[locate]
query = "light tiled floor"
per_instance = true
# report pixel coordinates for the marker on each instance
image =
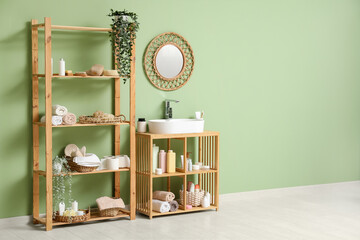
(329, 211)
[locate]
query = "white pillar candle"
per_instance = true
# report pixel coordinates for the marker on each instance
(75, 206)
(61, 208)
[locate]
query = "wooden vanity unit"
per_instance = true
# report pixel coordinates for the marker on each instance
(208, 154)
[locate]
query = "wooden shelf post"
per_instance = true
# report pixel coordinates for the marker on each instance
(48, 124)
(132, 137)
(35, 117)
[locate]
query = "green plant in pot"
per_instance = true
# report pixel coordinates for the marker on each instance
(124, 27)
(61, 178)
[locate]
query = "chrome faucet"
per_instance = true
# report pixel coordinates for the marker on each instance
(168, 109)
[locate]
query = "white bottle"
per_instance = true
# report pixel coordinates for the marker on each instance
(182, 161)
(62, 67)
(155, 158)
(189, 162)
(61, 208)
(75, 206)
(205, 202)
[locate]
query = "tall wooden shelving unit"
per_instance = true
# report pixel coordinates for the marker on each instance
(47, 173)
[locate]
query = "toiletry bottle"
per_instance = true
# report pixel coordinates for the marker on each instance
(171, 158)
(189, 161)
(192, 188)
(155, 157)
(182, 161)
(162, 160)
(141, 125)
(62, 67)
(75, 206)
(61, 208)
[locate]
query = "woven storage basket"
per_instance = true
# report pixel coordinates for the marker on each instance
(78, 168)
(90, 119)
(192, 198)
(110, 212)
(73, 219)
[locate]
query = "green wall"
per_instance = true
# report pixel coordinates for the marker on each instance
(279, 79)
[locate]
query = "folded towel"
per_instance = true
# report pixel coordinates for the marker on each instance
(124, 161)
(160, 206)
(163, 196)
(89, 158)
(59, 110)
(107, 202)
(174, 206)
(55, 120)
(69, 119)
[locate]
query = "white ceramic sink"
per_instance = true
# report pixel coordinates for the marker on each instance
(170, 126)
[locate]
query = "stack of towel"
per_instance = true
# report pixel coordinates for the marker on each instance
(164, 202)
(107, 202)
(60, 115)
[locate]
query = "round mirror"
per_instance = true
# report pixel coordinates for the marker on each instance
(169, 61)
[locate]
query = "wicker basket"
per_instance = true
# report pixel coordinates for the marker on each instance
(74, 219)
(90, 119)
(192, 198)
(110, 212)
(78, 168)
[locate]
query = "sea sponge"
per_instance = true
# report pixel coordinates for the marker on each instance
(98, 114)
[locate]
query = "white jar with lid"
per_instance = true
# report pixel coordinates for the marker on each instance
(141, 125)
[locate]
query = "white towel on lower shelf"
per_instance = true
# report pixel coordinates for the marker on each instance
(55, 120)
(89, 159)
(59, 110)
(160, 206)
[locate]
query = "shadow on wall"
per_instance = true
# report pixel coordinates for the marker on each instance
(18, 133)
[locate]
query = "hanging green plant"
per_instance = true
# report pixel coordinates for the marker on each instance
(124, 27)
(61, 177)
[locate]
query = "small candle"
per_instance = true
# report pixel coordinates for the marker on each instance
(61, 208)
(75, 206)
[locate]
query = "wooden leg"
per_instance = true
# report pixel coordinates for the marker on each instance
(48, 125)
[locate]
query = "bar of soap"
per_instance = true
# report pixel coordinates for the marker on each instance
(96, 70)
(83, 74)
(111, 73)
(69, 73)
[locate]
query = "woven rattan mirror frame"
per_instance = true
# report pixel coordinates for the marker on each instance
(160, 82)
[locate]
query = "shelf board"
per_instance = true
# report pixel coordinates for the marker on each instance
(200, 171)
(179, 135)
(92, 29)
(168, 174)
(178, 173)
(94, 217)
(41, 124)
(194, 209)
(69, 77)
(43, 173)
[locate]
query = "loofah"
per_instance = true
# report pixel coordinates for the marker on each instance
(108, 115)
(98, 114)
(69, 149)
(83, 151)
(95, 70)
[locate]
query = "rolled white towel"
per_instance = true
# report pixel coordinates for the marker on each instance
(160, 206)
(55, 120)
(59, 110)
